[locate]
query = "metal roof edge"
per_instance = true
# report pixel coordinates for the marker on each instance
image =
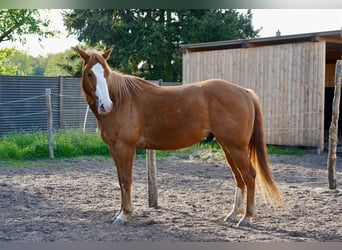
(270, 40)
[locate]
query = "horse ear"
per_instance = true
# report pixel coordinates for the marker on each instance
(82, 54)
(107, 53)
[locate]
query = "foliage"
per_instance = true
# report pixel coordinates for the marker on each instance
(15, 24)
(61, 64)
(39, 66)
(147, 42)
(71, 64)
(7, 67)
(15, 62)
(24, 63)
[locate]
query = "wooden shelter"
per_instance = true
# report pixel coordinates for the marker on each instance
(292, 75)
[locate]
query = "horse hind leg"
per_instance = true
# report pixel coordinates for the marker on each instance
(244, 175)
(238, 207)
(249, 178)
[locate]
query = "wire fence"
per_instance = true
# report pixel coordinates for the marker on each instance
(23, 104)
(21, 117)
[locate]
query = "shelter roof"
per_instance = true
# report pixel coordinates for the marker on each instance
(332, 38)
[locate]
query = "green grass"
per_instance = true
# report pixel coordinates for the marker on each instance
(281, 150)
(34, 146)
(27, 147)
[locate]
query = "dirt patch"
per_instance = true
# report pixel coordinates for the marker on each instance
(75, 199)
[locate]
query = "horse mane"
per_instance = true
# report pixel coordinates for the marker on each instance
(123, 87)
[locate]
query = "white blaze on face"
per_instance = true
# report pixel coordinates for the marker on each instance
(104, 104)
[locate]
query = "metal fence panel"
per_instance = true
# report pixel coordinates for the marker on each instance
(73, 109)
(23, 105)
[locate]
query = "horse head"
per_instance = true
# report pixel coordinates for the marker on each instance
(95, 73)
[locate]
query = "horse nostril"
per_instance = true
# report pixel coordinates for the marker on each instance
(102, 109)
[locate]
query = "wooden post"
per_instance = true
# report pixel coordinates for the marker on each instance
(61, 102)
(333, 131)
(49, 122)
(151, 164)
(152, 178)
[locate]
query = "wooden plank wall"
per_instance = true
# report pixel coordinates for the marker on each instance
(288, 78)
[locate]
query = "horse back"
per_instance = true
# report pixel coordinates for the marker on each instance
(182, 115)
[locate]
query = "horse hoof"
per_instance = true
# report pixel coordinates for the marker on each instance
(120, 219)
(244, 222)
(232, 216)
(119, 222)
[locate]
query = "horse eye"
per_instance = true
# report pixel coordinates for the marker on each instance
(89, 75)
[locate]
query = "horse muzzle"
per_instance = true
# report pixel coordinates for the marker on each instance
(104, 107)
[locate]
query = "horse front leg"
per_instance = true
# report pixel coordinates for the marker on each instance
(123, 157)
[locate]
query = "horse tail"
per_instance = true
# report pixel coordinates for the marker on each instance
(259, 158)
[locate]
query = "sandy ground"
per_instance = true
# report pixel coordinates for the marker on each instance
(75, 199)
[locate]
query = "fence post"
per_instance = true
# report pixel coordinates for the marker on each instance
(333, 131)
(152, 178)
(61, 102)
(151, 164)
(49, 122)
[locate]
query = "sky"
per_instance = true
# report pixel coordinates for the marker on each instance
(287, 21)
(49, 45)
(296, 21)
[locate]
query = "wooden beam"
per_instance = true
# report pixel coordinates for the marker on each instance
(49, 123)
(247, 45)
(328, 39)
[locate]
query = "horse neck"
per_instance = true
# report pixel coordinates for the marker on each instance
(122, 88)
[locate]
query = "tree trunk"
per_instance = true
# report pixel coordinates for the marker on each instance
(333, 131)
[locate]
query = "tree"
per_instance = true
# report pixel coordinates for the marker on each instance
(39, 68)
(7, 67)
(15, 24)
(147, 42)
(61, 64)
(15, 62)
(24, 62)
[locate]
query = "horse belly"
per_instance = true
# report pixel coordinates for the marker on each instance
(174, 131)
(173, 142)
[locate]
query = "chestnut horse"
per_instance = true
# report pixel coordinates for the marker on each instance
(133, 113)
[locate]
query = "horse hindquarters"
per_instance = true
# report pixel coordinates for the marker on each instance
(233, 128)
(247, 163)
